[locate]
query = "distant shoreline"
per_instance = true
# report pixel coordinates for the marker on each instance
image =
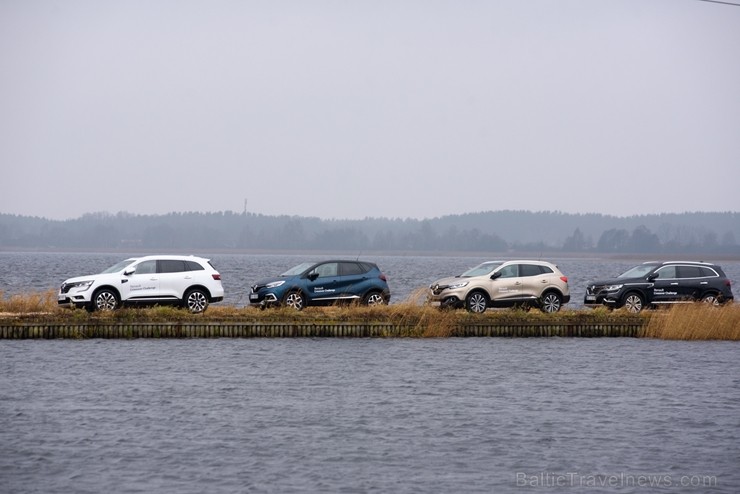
(397, 253)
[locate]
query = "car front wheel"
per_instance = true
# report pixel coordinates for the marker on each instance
(633, 302)
(196, 301)
(105, 299)
(551, 302)
(295, 300)
(476, 302)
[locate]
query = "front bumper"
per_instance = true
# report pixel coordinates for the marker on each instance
(263, 299)
(609, 300)
(445, 300)
(71, 302)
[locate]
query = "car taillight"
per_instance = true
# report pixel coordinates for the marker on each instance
(728, 283)
(564, 278)
(382, 277)
(216, 277)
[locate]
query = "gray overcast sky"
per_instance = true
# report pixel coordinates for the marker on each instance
(350, 109)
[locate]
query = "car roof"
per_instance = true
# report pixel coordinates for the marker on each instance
(341, 260)
(662, 263)
(169, 257)
(517, 261)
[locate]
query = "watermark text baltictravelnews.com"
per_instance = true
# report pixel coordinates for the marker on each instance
(575, 479)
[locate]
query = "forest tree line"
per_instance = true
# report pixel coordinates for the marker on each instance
(494, 231)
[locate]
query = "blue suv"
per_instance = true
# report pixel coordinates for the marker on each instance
(323, 283)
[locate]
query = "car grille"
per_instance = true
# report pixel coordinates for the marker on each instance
(437, 288)
(594, 289)
(65, 288)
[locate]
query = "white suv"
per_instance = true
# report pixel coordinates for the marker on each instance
(182, 280)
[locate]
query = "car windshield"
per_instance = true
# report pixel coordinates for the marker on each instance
(637, 271)
(481, 269)
(118, 266)
(296, 270)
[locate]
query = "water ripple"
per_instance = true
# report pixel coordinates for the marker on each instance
(363, 415)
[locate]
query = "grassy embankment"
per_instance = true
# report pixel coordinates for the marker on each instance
(682, 322)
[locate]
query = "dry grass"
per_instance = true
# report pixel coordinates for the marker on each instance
(695, 322)
(682, 322)
(42, 302)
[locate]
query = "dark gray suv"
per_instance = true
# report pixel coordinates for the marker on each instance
(655, 283)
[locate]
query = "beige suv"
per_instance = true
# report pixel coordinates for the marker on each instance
(503, 284)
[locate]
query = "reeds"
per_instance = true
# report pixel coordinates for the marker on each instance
(31, 303)
(682, 322)
(695, 322)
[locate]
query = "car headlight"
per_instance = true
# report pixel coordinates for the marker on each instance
(274, 284)
(80, 285)
(613, 288)
(457, 285)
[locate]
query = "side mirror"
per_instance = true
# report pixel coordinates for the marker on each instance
(653, 276)
(313, 276)
(129, 271)
(495, 275)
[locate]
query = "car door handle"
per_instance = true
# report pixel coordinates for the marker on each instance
(674, 284)
(704, 283)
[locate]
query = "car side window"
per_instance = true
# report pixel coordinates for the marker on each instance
(193, 266)
(708, 272)
(666, 273)
(366, 266)
(510, 271)
(529, 270)
(689, 272)
(146, 267)
(350, 268)
(170, 266)
(328, 269)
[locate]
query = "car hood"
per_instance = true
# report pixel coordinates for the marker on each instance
(449, 281)
(89, 277)
(618, 281)
(265, 281)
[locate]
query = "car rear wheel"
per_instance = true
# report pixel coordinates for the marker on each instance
(296, 300)
(196, 301)
(711, 299)
(105, 299)
(634, 302)
(373, 298)
(551, 302)
(476, 302)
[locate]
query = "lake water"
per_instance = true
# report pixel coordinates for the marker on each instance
(369, 415)
(32, 272)
(362, 415)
